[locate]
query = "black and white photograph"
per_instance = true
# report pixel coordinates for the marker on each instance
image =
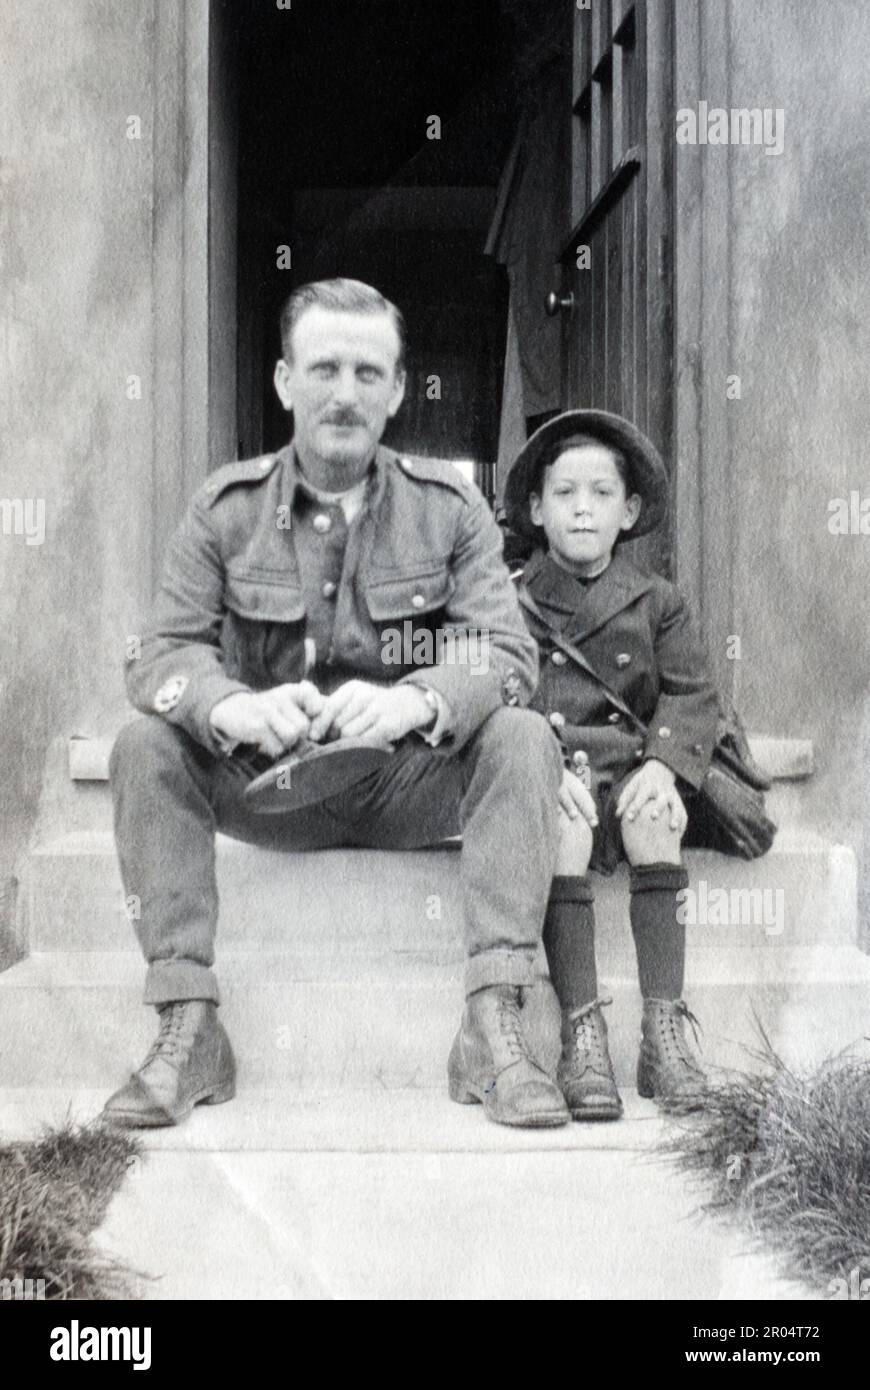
(435, 675)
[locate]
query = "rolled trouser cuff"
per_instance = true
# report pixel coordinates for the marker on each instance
(489, 968)
(170, 980)
(648, 878)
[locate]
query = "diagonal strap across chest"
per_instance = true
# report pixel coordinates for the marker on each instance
(576, 655)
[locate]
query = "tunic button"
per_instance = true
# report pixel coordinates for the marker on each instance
(664, 732)
(580, 759)
(266, 463)
(696, 748)
(322, 523)
(623, 659)
(614, 717)
(558, 658)
(328, 589)
(417, 601)
(557, 720)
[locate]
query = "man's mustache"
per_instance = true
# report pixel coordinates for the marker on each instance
(343, 417)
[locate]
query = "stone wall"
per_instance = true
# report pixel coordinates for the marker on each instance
(76, 283)
(773, 278)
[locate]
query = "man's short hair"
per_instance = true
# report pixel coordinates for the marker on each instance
(341, 296)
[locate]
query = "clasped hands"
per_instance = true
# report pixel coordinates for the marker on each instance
(277, 719)
(653, 783)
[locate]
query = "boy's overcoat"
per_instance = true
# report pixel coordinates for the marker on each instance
(636, 631)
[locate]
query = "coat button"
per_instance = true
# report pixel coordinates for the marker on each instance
(329, 589)
(557, 720)
(696, 748)
(558, 658)
(417, 601)
(266, 463)
(322, 523)
(623, 659)
(664, 731)
(614, 718)
(580, 759)
(511, 687)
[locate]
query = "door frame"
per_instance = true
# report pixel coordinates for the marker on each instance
(645, 167)
(704, 338)
(193, 256)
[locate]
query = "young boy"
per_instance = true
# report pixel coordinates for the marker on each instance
(585, 482)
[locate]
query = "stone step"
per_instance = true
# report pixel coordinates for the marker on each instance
(401, 1195)
(341, 901)
(74, 1018)
(291, 1119)
(782, 759)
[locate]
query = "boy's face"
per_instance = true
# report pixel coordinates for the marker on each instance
(583, 506)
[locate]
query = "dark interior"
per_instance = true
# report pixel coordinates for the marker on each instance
(334, 161)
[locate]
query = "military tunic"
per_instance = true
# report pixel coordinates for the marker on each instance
(249, 573)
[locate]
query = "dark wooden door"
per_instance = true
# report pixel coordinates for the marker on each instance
(616, 266)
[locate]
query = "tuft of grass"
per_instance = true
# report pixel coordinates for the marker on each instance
(54, 1192)
(788, 1155)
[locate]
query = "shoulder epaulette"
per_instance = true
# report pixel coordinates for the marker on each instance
(247, 471)
(432, 470)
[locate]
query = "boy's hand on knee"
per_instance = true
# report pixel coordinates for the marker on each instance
(653, 783)
(576, 799)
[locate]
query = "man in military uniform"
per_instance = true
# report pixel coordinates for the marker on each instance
(269, 630)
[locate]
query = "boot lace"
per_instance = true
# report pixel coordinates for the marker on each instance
(168, 1042)
(589, 1052)
(673, 1035)
(510, 1025)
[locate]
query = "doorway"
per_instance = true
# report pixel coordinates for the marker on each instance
(372, 139)
(366, 140)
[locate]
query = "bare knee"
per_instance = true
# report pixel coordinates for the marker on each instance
(651, 841)
(575, 845)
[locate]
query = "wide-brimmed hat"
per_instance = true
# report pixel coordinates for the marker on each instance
(649, 477)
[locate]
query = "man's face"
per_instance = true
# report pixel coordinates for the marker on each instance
(341, 384)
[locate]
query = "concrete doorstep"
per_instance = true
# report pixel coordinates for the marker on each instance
(402, 1195)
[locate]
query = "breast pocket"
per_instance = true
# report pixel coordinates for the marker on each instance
(264, 629)
(408, 611)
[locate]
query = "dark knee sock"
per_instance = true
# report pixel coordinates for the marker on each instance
(569, 940)
(659, 939)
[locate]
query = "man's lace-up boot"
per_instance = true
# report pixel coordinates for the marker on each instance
(490, 1063)
(585, 1071)
(668, 1070)
(190, 1063)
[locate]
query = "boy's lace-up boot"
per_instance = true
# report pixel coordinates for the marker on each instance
(190, 1063)
(668, 1070)
(490, 1063)
(585, 1071)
